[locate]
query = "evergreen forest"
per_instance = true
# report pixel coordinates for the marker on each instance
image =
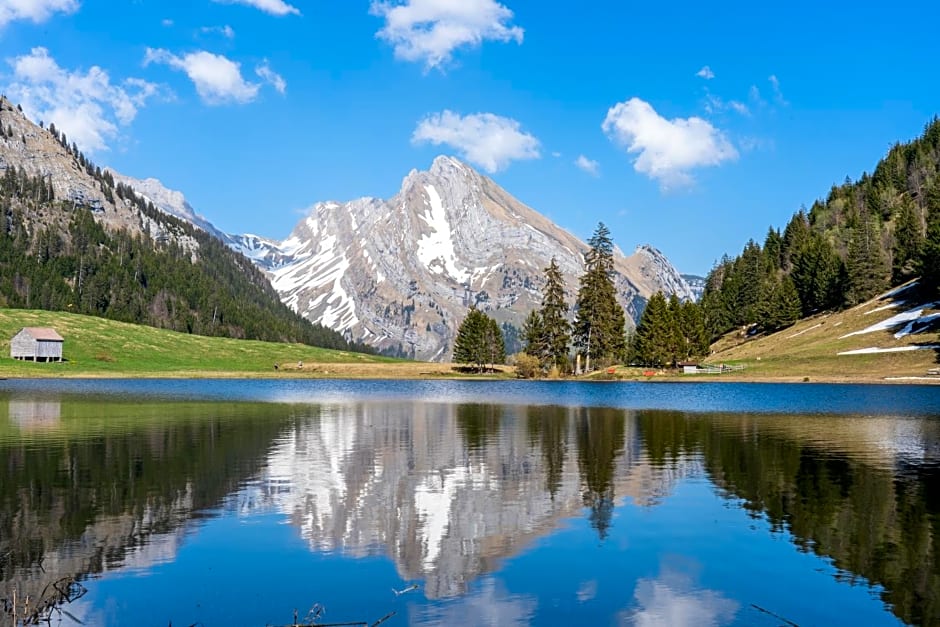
(863, 238)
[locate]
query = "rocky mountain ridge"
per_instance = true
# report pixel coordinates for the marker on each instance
(400, 273)
(169, 201)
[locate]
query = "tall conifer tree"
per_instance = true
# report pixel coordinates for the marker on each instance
(866, 269)
(908, 242)
(556, 330)
(930, 254)
(600, 320)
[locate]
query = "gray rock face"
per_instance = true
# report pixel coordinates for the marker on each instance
(33, 149)
(400, 273)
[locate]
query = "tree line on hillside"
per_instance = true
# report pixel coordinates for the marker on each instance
(55, 255)
(865, 237)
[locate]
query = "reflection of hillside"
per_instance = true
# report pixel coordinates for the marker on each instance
(845, 487)
(447, 490)
(89, 505)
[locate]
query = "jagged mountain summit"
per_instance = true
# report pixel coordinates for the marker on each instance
(399, 274)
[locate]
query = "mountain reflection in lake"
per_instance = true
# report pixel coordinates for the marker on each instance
(503, 513)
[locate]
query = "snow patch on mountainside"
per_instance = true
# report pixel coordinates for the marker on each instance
(908, 318)
(324, 272)
(436, 250)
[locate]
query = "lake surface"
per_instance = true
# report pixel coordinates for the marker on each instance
(471, 503)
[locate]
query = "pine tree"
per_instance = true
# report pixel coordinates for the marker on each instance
(692, 325)
(930, 254)
(773, 249)
(750, 269)
(600, 321)
(532, 335)
(816, 274)
(556, 330)
(479, 341)
(866, 269)
(908, 241)
(789, 306)
(718, 317)
(654, 333)
(494, 345)
(780, 303)
(794, 236)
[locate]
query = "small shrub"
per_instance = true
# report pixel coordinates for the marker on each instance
(527, 366)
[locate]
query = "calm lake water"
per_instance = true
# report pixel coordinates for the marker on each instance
(226, 503)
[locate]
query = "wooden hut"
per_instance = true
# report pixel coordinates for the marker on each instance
(688, 367)
(37, 344)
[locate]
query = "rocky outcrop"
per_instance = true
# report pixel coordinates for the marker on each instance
(37, 151)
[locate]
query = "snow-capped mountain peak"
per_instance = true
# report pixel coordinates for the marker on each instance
(401, 273)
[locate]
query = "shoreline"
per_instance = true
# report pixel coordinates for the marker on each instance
(445, 372)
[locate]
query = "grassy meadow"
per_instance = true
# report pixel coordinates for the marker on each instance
(811, 347)
(95, 347)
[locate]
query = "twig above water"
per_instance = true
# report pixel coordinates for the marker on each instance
(778, 616)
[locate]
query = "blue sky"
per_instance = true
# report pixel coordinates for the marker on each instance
(685, 125)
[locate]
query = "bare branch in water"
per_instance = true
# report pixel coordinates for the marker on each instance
(778, 616)
(413, 586)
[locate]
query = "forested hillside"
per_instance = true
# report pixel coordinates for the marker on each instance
(66, 254)
(866, 236)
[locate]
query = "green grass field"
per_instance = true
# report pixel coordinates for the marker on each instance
(99, 347)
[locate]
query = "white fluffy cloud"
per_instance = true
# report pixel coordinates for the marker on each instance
(271, 77)
(218, 79)
(716, 104)
(590, 166)
(666, 149)
(86, 105)
(488, 140)
(778, 94)
(706, 73)
(226, 31)
(274, 7)
(35, 10)
(430, 30)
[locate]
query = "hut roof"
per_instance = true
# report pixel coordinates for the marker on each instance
(44, 333)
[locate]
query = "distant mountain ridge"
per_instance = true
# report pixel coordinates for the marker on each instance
(167, 200)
